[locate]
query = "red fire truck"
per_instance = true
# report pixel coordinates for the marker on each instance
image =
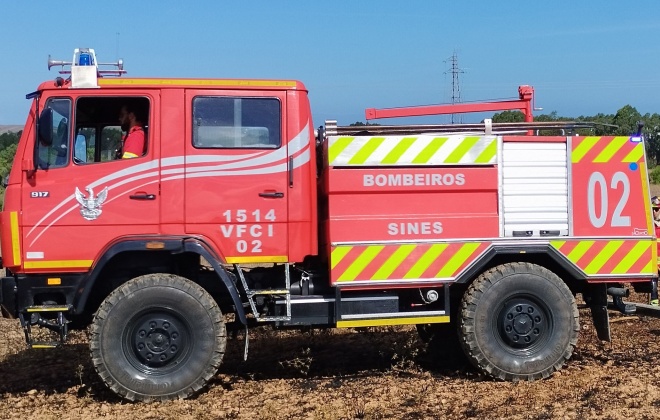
(237, 205)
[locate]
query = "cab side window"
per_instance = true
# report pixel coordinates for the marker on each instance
(101, 127)
(56, 154)
(234, 122)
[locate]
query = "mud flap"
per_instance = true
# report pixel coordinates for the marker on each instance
(595, 296)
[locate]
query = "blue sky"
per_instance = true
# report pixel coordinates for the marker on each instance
(582, 57)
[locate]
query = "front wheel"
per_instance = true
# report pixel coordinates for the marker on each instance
(157, 337)
(518, 321)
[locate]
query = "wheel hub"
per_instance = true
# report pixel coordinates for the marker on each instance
(157, 341)
(522, 323)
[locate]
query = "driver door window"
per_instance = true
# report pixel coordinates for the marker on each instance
(98, 132)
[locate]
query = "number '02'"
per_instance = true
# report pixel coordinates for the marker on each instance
(598, 182)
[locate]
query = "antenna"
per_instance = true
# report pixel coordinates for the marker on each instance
(455, 84)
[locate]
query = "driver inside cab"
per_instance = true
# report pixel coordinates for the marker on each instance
(132, 125)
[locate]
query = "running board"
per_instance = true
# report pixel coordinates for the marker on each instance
(400, 318)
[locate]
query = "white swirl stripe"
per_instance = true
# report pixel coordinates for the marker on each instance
(194, 166)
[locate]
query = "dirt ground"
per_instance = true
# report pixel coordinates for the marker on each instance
(345, 374)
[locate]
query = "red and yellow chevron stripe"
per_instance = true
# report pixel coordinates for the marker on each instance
(412, 150)
(607, 149)
(614, 257)
(426, 261)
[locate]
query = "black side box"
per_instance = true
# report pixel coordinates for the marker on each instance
(8, 295)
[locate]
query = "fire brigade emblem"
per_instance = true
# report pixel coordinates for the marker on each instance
(90, 206)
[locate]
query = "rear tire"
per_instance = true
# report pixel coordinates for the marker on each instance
(518, 321)
(157, 337)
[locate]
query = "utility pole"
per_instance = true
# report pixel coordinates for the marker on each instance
(455, 84)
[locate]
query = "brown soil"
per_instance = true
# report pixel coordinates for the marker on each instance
(346, 374)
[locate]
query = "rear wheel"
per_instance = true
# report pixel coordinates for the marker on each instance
(518, 321)
(157, 337)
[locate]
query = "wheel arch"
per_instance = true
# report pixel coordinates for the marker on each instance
(170, 251)
(543, 255)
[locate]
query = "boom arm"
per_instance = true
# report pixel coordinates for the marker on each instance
(524, 104)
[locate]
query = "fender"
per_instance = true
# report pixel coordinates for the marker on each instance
(495, 250)
(173, 246)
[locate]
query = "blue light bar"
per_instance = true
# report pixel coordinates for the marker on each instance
(85, 59)
(636, 139)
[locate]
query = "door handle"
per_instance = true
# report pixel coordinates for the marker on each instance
(271, 194)
(142, 197)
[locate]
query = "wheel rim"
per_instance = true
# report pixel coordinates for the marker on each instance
(157, 342)
(523, 324)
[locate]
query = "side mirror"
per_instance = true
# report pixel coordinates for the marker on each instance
(46, 127)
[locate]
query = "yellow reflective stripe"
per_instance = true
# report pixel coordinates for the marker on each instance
(360, 263)
(458, 259)
(393, 262)
(15, 239)
(365, 151)
(605, 254)
(635, 154)
(128, 155)
(196, 82)
(393, 321)
(259, 259)
(398, 150)
(59, 264)
(338, 254)
(579, 250)
(583, 148)
(425, 261)
(650, 268)
(337, 147)
(427, 153)
(609, 151)
(632, 257)
(645, 193)
(462, 149)
(654, 253)
(557, 244)
(488, 153)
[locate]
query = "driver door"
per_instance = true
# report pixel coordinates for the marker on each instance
(76, 203)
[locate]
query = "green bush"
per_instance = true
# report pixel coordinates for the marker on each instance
(654, 176)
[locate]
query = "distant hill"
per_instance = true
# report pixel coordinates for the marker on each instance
(10, 128)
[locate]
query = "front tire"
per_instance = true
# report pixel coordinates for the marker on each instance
(518, 321)
(157, 337)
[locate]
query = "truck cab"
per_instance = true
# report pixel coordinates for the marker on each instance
(229, 162)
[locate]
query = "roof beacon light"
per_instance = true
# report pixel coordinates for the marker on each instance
(85, 69)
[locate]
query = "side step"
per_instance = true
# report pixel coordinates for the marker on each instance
(251, 293)
(56, 322)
